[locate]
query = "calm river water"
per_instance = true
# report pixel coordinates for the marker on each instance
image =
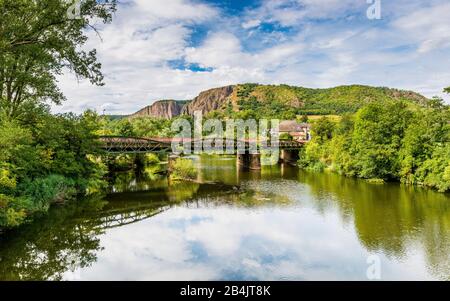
(277, 224)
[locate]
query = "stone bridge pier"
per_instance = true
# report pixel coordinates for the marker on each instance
(289, 156)
(249, 161)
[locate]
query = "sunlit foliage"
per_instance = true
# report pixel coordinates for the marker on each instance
(386, 141)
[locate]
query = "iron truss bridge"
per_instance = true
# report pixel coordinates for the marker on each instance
(118, 144)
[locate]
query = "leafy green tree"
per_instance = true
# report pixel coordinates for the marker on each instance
(304, 118)
(323, 129)
(436, 103)
(427, 131)
(378, 133)
(435, 171)
(316, 155)
(125, 128)
(38, 41)
(44, 157)
(140, 127)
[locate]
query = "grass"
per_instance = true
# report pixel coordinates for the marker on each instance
(316, 117)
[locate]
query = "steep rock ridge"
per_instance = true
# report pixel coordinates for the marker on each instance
(210, 100)
(267, 100)
(166, 109)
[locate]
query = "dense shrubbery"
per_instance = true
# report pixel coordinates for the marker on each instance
(387, 141)
(124, 162)
(183, 169)
(138, 127)
(44, 191)
(46, 159)
(151, 158)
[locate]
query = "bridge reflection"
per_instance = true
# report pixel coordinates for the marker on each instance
(69, 237)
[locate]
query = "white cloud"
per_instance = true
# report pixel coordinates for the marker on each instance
(221, 49)
(224, 52)
(408, 49)
(251, 24)
(133, 50)
(149, 47)
(430, 27)
(293, 13)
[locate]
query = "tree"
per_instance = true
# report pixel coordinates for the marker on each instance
(378, 133)
(436, 103)
(323, 129)
(125, 128)
(38, 41)
(447, 90)
(45, 158)
(316, 154)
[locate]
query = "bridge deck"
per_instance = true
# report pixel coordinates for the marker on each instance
(117, 144)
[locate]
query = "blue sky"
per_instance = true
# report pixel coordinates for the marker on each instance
(173, 49)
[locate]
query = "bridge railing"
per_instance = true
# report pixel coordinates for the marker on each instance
(119, 144)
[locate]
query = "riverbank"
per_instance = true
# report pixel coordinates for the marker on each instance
(388, 141)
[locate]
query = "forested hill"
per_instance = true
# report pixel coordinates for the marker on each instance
(267, 99)
(283, 101)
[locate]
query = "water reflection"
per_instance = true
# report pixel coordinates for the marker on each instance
(53, 245)
(390, 218)
(279, 223)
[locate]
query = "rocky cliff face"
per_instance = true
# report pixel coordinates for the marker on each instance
(209, 100)
(166, 109)
(298, 99)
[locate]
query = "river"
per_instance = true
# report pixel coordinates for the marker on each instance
(276, 224)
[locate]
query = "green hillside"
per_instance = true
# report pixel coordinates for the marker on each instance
(288, 101)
